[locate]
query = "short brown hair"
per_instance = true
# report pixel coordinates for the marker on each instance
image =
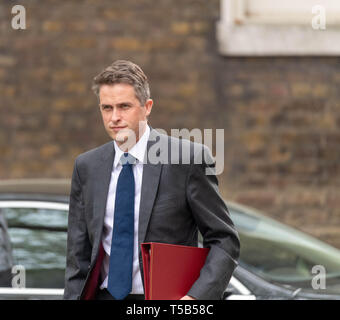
(123, 71)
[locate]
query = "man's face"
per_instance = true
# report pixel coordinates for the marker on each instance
(122, 112)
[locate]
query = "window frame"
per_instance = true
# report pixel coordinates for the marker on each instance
(32, 293)
(287, 34)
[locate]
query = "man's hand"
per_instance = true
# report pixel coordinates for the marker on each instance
(187, 298)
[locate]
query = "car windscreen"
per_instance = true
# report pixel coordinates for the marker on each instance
(38, 241)
(284, 255)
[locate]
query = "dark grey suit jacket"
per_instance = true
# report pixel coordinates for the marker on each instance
(177, 200)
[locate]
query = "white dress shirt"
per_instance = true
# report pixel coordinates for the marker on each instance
(138, 151)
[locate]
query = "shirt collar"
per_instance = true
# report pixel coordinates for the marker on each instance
(138, 150)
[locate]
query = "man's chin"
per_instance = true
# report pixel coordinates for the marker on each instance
(124, 140)
(121, 136)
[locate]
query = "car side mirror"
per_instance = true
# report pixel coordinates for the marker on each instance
(228, 292)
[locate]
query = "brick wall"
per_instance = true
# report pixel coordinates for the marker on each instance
(281, 115)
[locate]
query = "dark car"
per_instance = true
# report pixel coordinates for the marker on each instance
(279, 262)
(276, 261)
(36, 213)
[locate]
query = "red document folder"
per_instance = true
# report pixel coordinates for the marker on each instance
(170, 270)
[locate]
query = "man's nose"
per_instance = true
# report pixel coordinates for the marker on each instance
(116, 115)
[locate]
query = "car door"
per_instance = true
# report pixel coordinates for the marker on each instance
(38, 235)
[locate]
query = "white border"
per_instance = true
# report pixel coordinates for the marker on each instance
(31, 291)
(239, 286)
(34, 204)
(239, 35)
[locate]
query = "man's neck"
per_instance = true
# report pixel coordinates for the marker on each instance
(125, 146)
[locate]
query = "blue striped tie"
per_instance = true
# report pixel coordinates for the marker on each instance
(121, 257)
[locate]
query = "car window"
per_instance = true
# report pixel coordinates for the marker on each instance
(38, 240)
(281, 254)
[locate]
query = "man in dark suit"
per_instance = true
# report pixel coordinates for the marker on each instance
(143, 186)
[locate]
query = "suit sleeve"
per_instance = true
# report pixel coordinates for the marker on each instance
(219, 234)
(78, 257)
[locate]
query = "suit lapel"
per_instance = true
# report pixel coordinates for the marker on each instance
(150, 182)
(101, 189)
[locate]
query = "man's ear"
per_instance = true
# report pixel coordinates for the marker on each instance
(148, 106)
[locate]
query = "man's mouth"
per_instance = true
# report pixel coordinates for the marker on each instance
(116, 129)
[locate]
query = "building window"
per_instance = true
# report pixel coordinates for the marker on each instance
(270, 28)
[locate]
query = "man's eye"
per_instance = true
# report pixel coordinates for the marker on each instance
(106, 107)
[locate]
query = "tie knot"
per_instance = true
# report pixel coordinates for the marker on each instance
(127, 159)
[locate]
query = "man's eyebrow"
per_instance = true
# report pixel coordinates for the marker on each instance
(118, 104)
(123, 103)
